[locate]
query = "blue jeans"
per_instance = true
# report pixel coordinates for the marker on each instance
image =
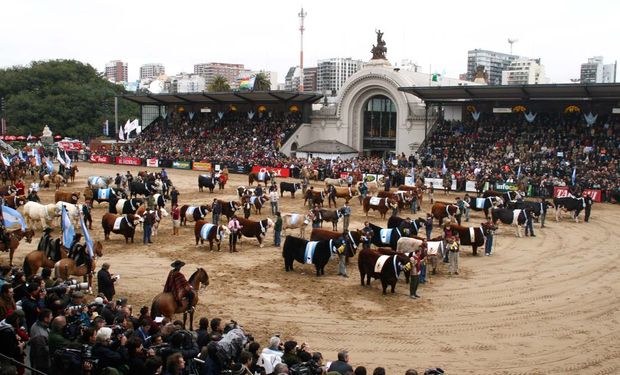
(467, 211)
(429, 232)
(216, 219)
(414, 206)
(488, 245)
(276, 237)
(274, 208)
(147, 233)
(422, 273)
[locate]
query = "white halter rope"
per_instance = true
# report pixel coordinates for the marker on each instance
(262, 227)
(133, 208)
(352, 241)
(128, 222)
(396, 270)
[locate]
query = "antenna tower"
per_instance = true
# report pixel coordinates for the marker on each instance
(302, 15)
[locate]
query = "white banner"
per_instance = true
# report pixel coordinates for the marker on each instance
(438, 183)
(470, 186)
(409, 181)
(152, 162)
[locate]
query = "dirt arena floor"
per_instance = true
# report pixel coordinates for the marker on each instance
(544, 305)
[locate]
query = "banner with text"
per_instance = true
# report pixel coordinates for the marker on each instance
(595, 194)
(508, 186)
(182, 164)
(152, 162)
(124, 160)
(560, 191)
(104, 159)
(280, 172)
(438, 183)
(470, 186)
(201, 166)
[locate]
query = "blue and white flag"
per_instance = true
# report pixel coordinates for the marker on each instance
(50, 165)
(68, 160)
(89, 241)
(413, 173)
(519, 171)
(12, 217)
(60, 159)
(383, 165)
(37, 157)
(21, 155)
(5, 161)
(444, 170)
(574, 175)
(67, 228)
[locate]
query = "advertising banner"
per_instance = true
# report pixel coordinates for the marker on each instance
(595, 194)
(123, 160)
(152, 162)
(70, 146)
(104, 159)
(201, 166)
(438, 183)
(470, 186)
(280, 172)
(182, 164)
(560, 191)
(506, 187)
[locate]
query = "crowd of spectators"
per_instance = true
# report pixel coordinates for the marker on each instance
(495, 149)
(50, 326)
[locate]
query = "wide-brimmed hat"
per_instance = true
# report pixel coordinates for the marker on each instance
(177, 264)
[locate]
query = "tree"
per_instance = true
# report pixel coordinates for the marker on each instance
(219, 84)
(261, 83)
(69, 96)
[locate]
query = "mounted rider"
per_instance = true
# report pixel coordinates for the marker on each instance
(178, 286)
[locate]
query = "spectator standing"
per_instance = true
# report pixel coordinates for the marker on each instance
(453, 255)
(342, 364)
(88, 219)
(174, 196)
(176, 219)
(346, 216)
(217, 211)
(234, 227)
(105, 282)
(309, 197)
(7, 304)
(150, 202)
(428, 226)
(529, 222)
(414, 279)
(467, 200)
(147, 225)
(488, 229)
(316, 216)
(274, 198)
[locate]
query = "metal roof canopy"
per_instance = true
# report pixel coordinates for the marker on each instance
(224, 97)
(547, 92)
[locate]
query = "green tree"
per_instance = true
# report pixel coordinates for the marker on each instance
(69, 96)
(261, 83)
(219, 84)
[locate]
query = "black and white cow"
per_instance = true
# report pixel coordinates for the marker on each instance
(290, 187)
(142, 188)
(509, 216)
(573, 204)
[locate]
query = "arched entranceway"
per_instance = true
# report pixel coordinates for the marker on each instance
(379, 124)
(294, 150)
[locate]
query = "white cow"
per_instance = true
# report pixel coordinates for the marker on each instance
(407, 245)
(45, 214)
(73, 210)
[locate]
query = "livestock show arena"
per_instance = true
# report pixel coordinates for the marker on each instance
(543, 304)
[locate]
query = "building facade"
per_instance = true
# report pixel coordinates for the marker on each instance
(210, 70)
(332, 73)
(524, 71)
(594, 71)
(310, 79)
(152, 70)
(291, 80)
(116, 71)
(188, 83)
(494, 62)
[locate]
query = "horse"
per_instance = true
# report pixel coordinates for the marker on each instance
(45, 214)
(84, 266)
(40, 258)
(310, 252)
(203, 230)
(164, 304)
(14, 239)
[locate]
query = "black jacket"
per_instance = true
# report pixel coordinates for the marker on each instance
(105, 284)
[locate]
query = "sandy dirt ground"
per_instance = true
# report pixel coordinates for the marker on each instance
(544, 305)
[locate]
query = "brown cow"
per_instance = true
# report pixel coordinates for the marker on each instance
(258, 229)
(203, 230)
(229, 208)
(403, 197)
(442, 210)
(67, 196)
(317, 197)
(7, 190)
(419, 191)
(256, 202)
(346, 192)
(14, 201)
(389, 270)
(379, 204)
(352, 238)
(194, 213)
(469, 236)
(127, 225)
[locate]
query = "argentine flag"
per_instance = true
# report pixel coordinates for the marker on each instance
(89, 241)
(574, 175)
(67, 228)
(60, 159)
(12, 217)
(519, 171)
(68, 159)
(37, 157)
(50, 165)
(444, 170)
(4, 160)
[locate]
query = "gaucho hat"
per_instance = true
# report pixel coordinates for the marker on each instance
(177, 264)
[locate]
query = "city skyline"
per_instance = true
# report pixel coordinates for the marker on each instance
(435, 35)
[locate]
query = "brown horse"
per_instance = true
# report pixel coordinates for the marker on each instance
(14, 238)
(38, 258)
(164, 304)
(67, 266)
(72, 172)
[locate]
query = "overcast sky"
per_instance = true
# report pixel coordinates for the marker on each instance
(264, 34)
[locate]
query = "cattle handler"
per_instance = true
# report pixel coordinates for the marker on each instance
(178, 286)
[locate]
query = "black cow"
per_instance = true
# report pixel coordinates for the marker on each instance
(493, 201)
(395, 235)
(290, 187)
(208, 181)
(142, 188)
(573, 204)
(414, 227)
(297, 249)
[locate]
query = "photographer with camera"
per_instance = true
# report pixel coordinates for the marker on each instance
(309, 364)
(110, 351)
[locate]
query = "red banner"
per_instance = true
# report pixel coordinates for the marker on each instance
(560, 191)
(595, 194)
(70, 146)
(344, 175)
(104, 159)
(128, 161)
(280, 172)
